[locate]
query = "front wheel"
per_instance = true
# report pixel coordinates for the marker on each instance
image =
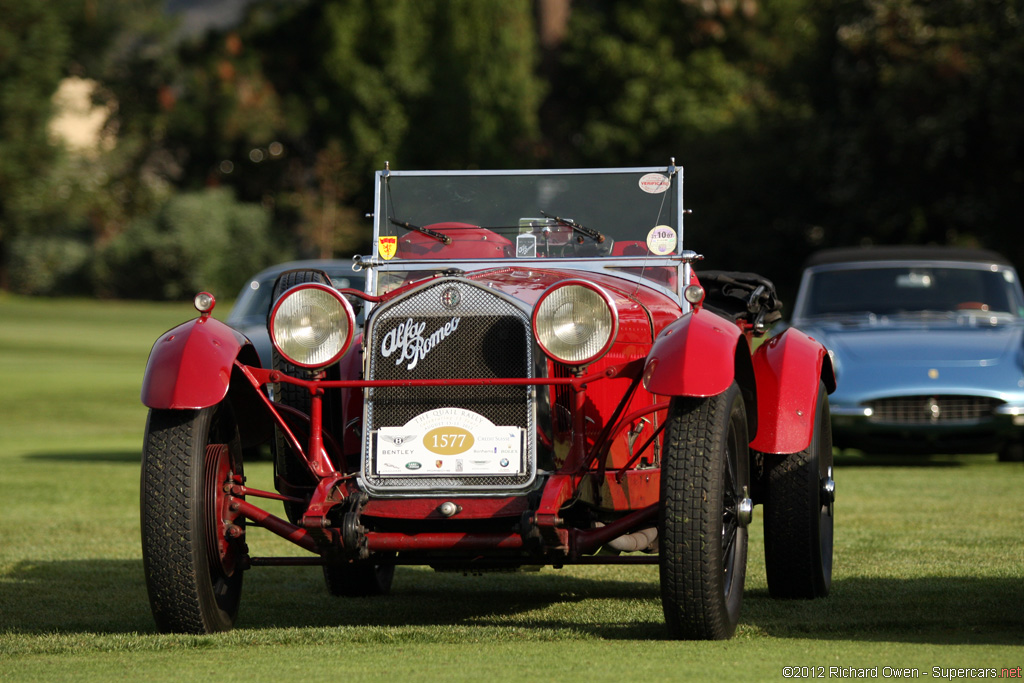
(193, 545)
(799, 514)
(705, 509)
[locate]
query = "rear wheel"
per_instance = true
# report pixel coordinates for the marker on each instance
(705, 507)
(799, 513)
(193, 545)
(287, 463)
(1012, 452)
(359, 579)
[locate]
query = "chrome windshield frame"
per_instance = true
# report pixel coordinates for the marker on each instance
(680, 258)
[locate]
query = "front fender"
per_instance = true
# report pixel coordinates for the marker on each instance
(694, 356)
(788, 369)
(190, 365)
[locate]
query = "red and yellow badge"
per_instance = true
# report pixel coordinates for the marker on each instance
(387, 246)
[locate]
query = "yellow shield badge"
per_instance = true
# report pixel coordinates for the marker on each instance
(387, 246)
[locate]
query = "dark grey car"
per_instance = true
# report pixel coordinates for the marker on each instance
(252, 308)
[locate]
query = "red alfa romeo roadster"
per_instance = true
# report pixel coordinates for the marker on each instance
(543, 378)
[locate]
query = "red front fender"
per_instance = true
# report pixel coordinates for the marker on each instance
(190, 365)
(788, 369)
(694, 356)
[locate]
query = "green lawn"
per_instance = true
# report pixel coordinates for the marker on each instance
(929, 561)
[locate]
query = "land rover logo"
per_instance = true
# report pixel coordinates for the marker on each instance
(412, 465)
(450, 298)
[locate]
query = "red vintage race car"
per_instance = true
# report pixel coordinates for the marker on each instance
(542, 379)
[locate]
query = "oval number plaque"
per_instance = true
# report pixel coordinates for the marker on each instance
(448, 440)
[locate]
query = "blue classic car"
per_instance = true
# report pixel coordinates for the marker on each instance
(927, 345)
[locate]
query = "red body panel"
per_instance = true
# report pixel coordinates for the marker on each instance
(638, 309)
(467, 241)
(788, 368)
(190, 365)
(694, 356)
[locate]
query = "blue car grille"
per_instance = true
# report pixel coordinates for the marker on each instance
(924, 410)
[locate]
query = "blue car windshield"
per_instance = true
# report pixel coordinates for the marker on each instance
(912, 290)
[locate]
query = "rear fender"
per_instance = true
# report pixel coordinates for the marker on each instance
(694, 356)
(190, 366)
(788, 369)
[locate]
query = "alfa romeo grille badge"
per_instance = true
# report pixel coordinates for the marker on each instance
(450, 298)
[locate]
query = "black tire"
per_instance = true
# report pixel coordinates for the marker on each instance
(286, 463)
(359, 579)
(194, 569)
(705, 475)
(1012, 452)
(799, 515)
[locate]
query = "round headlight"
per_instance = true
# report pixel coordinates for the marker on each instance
(204, 302)
(694, 294)
(311, 325)
(575, 322)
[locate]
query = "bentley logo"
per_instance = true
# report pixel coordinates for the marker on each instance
(399, 439)
(450, 298)
(407, 343)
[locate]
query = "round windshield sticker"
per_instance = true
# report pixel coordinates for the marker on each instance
(654, 183)
(661, 240)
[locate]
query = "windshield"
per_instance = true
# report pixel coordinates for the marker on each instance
(605, 213)
(911, 290)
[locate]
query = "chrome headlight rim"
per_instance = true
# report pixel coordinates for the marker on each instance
(345, 315)
(541, 310)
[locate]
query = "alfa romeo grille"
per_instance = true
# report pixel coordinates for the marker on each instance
(453, 329)
(919, 410)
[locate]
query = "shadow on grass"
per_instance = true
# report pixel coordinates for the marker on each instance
(109, 596)
(134, 457)
(943, 610)
(261, 453)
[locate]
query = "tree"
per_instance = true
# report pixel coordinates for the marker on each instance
(340, 87)
(718, 85)
(927, 132)
(34, 46)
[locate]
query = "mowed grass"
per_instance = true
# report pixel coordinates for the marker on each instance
(929, 561)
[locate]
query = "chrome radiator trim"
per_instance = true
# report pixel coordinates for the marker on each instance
(450, 328)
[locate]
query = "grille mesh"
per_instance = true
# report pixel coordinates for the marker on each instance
(932, 409)
(492, 338)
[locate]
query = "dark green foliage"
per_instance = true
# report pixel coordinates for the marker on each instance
(197, 241)
(48, 264)
(33, 50)
(927, 132)
(800, 124)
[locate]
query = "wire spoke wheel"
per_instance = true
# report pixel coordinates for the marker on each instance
(193, 545)
(704, 494)
(799, 514)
